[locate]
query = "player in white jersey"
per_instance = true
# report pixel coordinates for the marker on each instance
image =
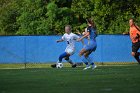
(70, 39)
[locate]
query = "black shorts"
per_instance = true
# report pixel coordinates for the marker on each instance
(135, 46)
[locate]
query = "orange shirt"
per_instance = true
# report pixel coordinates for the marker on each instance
(133, 34)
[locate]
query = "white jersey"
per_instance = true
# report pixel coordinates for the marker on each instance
(70, 40)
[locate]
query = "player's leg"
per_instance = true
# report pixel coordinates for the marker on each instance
(70, 51)
(70, 61)
(85, 52)
(136, 56)
(135, 53)
(86, 59)
(90, 59)
(83, 57)
(63, 55)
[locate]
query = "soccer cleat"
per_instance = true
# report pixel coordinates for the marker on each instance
(74, 66)
(94, 67)
(53, 66)
(87, 67)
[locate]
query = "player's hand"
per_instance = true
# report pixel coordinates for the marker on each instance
(57, 41)
(79, 39)
(61, 40)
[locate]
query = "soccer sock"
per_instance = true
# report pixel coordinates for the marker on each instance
(62, 56)
(90, 60)
(70, 61)
(84, 60)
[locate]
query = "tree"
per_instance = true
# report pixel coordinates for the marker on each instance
(9, 12)
(48, 17)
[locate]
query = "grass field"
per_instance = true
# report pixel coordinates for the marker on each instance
(104, 79)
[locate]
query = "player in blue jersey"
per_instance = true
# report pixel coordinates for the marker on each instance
(91, 46)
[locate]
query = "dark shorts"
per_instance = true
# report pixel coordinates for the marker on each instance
(135, 46)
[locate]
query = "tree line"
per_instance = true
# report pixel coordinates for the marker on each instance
(48, 17)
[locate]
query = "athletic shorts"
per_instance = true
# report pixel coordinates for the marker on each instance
(70, 51)
(90, 47)
(135, 46)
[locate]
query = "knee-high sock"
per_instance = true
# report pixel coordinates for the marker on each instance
(84, 60)
(62, 56)
(70, 61)
(90, 60)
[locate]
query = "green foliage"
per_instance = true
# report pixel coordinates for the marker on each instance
(48, 17)
(32, 18)
(9, 11)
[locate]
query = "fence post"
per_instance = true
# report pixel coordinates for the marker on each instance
(25, 58)
(101, 50)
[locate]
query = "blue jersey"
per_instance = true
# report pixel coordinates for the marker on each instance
(91, 46)
(92, 33)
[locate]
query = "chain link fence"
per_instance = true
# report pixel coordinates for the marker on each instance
(42, 51)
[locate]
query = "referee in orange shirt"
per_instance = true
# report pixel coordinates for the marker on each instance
(135, 38)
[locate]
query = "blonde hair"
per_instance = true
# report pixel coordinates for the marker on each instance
(69, 26)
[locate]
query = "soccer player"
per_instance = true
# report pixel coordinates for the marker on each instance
(135, 38)
(70, 39)
(90, 47)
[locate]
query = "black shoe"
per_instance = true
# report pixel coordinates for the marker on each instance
(74, 66)
(53, 66)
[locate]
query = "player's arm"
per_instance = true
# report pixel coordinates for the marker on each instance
(77, 39)
(82, 41)
(61, 40)
(138, 35)
(125, 33)
(138, 28)
(87, 34)
(138, 32)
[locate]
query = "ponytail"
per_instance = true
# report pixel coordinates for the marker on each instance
(90, 21)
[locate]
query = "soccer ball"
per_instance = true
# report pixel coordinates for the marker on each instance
(59, 65)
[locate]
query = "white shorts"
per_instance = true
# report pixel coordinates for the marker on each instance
(70, 51)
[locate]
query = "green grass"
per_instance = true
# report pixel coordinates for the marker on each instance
(104, 79)
(47, 65)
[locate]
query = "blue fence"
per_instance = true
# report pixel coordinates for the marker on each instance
(43, 49)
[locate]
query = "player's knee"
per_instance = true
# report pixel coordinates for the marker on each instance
(81, 52)
(60, 57)
(66, 58)
(133, 53)
(86, 55)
